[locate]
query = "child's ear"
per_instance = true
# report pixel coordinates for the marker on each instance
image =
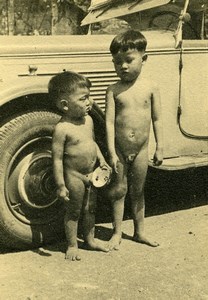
(144, 58)
(64, 104)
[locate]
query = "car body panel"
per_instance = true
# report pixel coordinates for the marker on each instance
(28, 62)
(195, 88)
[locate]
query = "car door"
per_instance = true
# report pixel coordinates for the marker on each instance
(193, 119)
(193, 93)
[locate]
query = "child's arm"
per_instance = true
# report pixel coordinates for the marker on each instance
(101, 159)
(157, 126)
(57, 154)
(110, 127)
(100, 156)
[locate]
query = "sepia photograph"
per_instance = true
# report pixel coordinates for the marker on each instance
(103, 149)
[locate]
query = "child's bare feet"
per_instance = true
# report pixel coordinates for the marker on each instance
(144, 240)
(72, 254)
(114, 242)
(97, 245)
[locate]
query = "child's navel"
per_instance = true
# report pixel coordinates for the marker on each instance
(132, 134)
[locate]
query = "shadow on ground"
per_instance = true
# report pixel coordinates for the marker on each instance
(166, 191)
(176, 190)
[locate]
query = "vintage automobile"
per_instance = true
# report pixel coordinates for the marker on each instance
(30, 213)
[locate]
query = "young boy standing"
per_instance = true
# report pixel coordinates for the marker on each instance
(131, 104)
(75, 154)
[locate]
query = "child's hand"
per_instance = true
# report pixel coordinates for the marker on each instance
(158, 158)
(63, 194)
(103, 165)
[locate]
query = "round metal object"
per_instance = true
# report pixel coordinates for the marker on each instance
(101, 176)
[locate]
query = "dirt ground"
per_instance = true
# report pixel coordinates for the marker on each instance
(177, 269)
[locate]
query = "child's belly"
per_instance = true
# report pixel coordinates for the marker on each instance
(81, 158)
(132, 136)
(130, 142)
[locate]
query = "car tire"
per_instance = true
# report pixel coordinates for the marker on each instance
(30, 213)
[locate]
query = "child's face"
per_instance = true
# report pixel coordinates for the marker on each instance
(78, 103)
(128, 64)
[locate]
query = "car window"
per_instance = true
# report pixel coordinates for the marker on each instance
(165, 18)
(151, 19)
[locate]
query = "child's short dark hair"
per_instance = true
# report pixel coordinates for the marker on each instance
(130, 39)
(66, 83)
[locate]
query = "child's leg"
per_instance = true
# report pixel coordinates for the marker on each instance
(117, 193)
(72, 213)
(89, 221)
(137, 182)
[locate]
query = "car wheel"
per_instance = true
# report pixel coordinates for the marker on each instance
(30, 214)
